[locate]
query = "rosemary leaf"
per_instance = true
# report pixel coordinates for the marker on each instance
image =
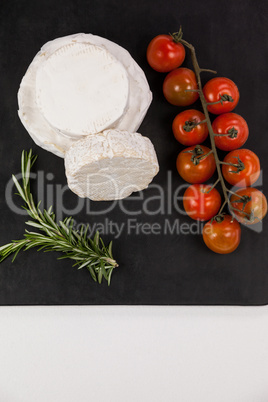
(62, 237)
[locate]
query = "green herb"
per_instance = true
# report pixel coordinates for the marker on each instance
(87, 253)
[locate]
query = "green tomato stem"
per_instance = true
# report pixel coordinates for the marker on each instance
(204, 103)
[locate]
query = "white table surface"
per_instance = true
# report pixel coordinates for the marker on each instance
(152, 354)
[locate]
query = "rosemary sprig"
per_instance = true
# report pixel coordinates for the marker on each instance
(76, 245)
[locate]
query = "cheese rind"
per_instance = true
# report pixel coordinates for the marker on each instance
(52, 139)
(110, 165)
(81, 89)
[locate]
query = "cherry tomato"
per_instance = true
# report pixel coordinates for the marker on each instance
(252, 203)
(194, 166)
(234, 125)
(218, 89)
(200, 204)
(175, 85)
(187, 128)
(246, 170)
(222, 235)
(165, 54)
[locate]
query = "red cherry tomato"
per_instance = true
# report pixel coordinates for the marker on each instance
(222, 235)
(252, 203)
(200, 204)
(176, 85)
(218, 89)
(246, 170)
(165, 54)
(194, 166)
(186, 127)
(235, 126)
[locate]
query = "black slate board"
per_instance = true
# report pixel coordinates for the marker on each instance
(230, 37)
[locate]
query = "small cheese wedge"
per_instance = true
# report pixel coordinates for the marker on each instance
(81, 89)
(110, 165)
(37, 116)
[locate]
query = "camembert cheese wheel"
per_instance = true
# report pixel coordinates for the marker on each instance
(81, 89)
(47, 115)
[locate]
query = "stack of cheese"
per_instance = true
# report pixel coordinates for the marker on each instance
(83, 98)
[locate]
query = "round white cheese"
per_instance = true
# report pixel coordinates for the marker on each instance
(81, 89)
(56, 140)
(110, 165)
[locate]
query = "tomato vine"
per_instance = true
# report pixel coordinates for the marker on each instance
(240, 167)
(212, 135)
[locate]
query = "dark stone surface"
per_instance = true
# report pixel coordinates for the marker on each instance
(230, 37)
